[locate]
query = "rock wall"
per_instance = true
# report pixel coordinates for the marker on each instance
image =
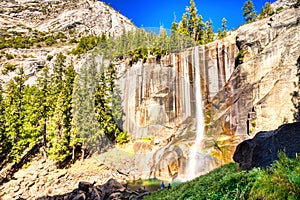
(240, 99)
(159, 103)
(158, 97)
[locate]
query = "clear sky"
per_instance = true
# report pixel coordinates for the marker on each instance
(156, 13)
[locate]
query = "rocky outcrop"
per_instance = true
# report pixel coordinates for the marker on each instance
(263, 149)
(40, 178)
(43, 19)
(111, 190)
(84, 17)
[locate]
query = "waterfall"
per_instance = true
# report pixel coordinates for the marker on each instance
(194, 158)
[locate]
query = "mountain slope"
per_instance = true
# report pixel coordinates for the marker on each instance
(33, 32)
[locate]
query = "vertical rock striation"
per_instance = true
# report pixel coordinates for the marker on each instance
(250, 82)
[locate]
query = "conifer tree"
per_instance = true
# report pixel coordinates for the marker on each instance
(14, 114)
(4, 142)
(60, 122)
(84, 111)
(249, 12)
(183, 25)
(209, 32)
(266, 11)
(201, 35)
(224, 26)
(46, 102)
(193, 20)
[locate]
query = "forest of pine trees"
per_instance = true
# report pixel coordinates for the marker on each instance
(64, 111)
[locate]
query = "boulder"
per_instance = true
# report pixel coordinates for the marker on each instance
(263, 149)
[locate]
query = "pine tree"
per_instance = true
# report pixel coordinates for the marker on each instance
(249, 12)
(5, 144)
(85, 122)
(224, 27)
(266, 11)
(193, 20)
(60, 123)
(183, 25)
(46, 102)
(14, 114)
(209, 32)
(201, 35)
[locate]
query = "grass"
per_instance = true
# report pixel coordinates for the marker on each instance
(281, 181)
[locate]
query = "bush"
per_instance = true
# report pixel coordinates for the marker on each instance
(9, 56)
(279, 9)
(49, 57)
(239, 58)
(122, 138)
(9, 68)
(50, 40)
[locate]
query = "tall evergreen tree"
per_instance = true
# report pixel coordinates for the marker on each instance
(46, 102)
(84, 116)
(193, 20)
(209, 32)
(249, 12)
(14, 114)
(183, 25)
(59, 128)
(4, 142)
(224, 26)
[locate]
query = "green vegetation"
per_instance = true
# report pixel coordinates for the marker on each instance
(297, 4)
(13, 39)
(9, 68)
(239, 58)
(279, 9)
(193, 26)
(56, 111)
(249, 12)
(87, 43)
(281, 181)
(223, 33)
(266, 11)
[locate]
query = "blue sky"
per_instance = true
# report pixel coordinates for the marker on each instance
(156, 13)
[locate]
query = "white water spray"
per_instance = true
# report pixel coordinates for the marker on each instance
(194, 160)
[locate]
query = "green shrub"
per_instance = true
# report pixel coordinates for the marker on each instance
(240, 57)
(122, 138)
(279, 9)
(9, 68)
(9, 56)
(282, 181)
(50, 40)
(87, 43)
(49, 57)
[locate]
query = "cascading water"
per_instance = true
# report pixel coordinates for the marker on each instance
(195, 158)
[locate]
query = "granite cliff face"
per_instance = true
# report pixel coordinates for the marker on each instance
(69, 20)
(250, 82)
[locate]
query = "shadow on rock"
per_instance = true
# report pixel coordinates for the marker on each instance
(263, 149)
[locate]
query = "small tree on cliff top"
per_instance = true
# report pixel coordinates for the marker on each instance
(249, 12)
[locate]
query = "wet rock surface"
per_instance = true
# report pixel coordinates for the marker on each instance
(263, 149)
